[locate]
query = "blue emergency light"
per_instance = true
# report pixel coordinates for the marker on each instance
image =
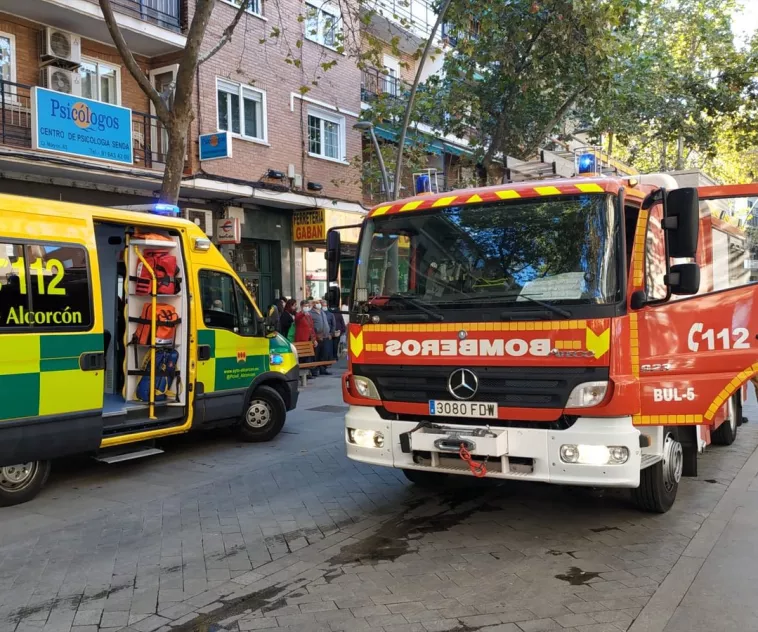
(165, 210)
(587, 163)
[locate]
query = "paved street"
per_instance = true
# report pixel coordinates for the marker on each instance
(219, 535)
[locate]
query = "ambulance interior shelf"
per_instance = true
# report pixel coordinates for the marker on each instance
(171, 315)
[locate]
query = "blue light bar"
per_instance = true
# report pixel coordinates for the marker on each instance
(166, 210)
(587, 163)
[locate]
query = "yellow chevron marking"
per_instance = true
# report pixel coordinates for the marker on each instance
(508, 195)
(474, 198)
(445, 201)
(411, 206)
(356, 344)
(589, 188)
(382, 210)
(547, 190)
(599, 345)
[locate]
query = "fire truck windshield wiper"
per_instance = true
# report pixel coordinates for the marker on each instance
(553, 308)
(417, 304)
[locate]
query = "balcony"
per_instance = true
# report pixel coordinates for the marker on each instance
(409, 20)
(150, 27)
(148, 137)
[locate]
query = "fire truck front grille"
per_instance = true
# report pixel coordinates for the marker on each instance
(513, 387)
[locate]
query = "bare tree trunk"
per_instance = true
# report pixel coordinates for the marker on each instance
(412, 95)
(174, 170)
(559, 114)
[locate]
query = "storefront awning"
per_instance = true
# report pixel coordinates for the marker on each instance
(431, 145)
(454, 150)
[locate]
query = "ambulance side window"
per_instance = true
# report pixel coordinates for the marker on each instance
(247, 315)
(45, 286)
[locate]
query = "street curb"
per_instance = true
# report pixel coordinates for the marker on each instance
(662, 605)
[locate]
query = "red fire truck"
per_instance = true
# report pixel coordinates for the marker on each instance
(592, 331)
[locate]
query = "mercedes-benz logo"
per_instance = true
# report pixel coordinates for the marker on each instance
(462, 384)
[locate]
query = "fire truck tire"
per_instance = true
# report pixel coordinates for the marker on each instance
(264, 415)
(20, 483)
(659, 483)
(428, 480)
(726, 433)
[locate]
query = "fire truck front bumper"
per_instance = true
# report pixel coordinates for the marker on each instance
(594, 451)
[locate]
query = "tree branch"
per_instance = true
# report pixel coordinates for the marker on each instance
(131, 65)
(185, 76)
(226, 37)
(412, 95)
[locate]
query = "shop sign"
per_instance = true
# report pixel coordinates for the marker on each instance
(215, 146)
(309, 225)
(76, 126)
(228, 231)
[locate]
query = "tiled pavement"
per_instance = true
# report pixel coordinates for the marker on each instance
(216, 535)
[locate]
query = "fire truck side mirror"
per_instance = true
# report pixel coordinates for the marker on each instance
(682, 222)
(684, 279)
(333, 252)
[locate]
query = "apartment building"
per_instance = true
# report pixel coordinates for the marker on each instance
(292, 172)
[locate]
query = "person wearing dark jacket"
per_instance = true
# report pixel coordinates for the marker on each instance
(287, 319)
(341, 329)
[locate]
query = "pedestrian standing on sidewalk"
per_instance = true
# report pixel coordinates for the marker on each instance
(333, 332)
(341, 329)
(287, 319)
(305, 332)
(323, 334)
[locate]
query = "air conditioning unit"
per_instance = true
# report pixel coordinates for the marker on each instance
(57, 45)
(204, 219)
(61, 80)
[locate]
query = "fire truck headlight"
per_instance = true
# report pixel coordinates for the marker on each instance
(365, 438)
(587, 394)
(594, 454)
(365, 387)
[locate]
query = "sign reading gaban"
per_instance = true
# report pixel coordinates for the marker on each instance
(81, 127)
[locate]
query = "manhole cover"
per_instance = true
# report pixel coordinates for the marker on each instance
(329, 409)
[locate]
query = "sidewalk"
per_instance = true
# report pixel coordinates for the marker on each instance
(713, 585)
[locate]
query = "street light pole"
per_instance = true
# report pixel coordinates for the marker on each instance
(368, 126)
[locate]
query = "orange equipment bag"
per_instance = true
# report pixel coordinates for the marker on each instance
(165, 269)
(166, 322)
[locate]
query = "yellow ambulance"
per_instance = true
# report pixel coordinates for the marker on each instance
(118, 328)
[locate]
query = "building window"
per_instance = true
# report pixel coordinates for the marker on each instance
(101, 81)
(241, 110)
(322, 24)
(7, 57)
(326, 135)
(254, 6)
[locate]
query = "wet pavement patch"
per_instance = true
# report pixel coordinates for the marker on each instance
(577, 577)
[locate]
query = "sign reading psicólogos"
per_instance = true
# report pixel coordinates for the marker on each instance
(81, 127)
(215, 146)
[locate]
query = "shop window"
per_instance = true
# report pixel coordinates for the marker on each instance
(101, 81)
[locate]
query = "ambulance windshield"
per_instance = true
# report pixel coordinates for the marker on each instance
(558, 251)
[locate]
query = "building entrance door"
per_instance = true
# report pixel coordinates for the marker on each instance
(256, 265)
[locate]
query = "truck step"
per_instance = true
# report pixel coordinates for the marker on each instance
(128, 456)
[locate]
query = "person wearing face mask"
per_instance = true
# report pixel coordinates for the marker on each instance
(324, 336)
(305, 332)
(287, 319)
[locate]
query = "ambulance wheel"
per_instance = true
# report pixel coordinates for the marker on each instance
(264, 415)
(726, 433)
(20, 483)
(428, 480)
(660, 482)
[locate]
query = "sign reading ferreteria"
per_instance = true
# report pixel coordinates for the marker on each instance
(77, 126)
(309, 225)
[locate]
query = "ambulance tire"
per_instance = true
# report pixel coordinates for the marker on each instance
(659, 483)
(16, 489)
(264, 415)
(427, 480)
(726, 433)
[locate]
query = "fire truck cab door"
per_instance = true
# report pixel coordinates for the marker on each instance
(695, 352)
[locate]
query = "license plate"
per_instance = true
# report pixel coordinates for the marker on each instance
(442, 408)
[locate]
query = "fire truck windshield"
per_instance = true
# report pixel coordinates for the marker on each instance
(539, 254)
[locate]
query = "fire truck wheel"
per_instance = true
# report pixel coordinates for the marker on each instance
(22, 482)
(726, 433)
(660, 482)
(425, 479)
(264, 416)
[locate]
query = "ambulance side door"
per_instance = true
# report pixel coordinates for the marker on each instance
(232, 347)
(696, 351)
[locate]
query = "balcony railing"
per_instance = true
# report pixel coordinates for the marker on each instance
(149, 138)
(164, 13)
(414, 15)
